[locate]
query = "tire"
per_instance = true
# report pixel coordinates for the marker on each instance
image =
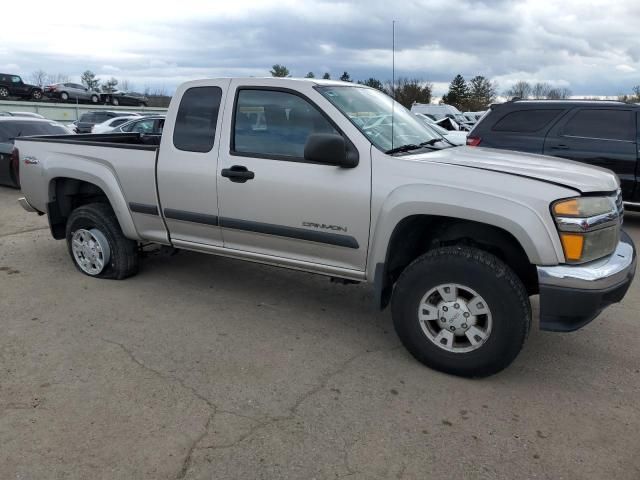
(100, 219)
(64, 96)
(502, 325)
(4, 92)
(94, 99)
(36, 95)
(115, 101)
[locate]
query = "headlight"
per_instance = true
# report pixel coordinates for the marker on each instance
(589, 227)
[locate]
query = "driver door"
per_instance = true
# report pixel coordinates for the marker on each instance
(291, 208)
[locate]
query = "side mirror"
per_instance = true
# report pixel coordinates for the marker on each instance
(331, 149)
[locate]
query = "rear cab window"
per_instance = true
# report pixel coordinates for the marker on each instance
(195, 126)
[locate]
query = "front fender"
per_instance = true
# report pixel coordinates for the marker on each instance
(529, 226)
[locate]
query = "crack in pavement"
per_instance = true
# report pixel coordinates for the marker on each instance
(186, 463)
(293, 410)
(28, 230)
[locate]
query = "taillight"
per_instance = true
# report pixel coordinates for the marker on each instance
(473, 141)
(14, 165)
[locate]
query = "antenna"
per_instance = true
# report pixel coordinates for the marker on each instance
(393, 74)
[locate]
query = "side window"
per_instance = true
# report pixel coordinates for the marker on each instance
(275, 123)
(526, 121)
(119, 121)
(143, 126)
(604, 124)
(195, 127)
(16, 79)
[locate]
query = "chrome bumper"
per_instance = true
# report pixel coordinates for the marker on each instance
(597, 275)
(24, 203)
(573, 295)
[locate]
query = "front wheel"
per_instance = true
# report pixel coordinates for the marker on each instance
(4, 92)
(115, 101)
(36, 95)
(97, 245)
(64, 96)
(462, 311)
(94, 99)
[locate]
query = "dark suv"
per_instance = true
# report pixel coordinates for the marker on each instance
(13, 86)
(600, 133)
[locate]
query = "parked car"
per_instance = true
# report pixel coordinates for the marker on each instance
(315, 176)
(89, 119)
(25, 114)
(73, 126)
(149, 125)
(74, 92)
(110, 124)
(13, 86)
(600, 133)
(439, 112)
(454, 137)
(125, 98)
(15, 127)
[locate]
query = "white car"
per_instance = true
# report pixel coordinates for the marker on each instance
(110, 124)
(455, 137)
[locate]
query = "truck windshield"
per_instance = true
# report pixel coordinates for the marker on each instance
(370, 111)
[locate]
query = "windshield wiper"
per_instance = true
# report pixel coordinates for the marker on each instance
(412, 146)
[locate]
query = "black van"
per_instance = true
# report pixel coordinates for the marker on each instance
(601, 133)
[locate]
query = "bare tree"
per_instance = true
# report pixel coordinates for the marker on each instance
(521, 89)
(125, 86)
(540, 90)
(559, 93)
(57, 78)
(39, 77)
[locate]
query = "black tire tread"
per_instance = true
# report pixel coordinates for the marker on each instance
(493, 264)
(124, 260)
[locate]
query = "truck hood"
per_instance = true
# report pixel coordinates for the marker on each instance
(581, 177)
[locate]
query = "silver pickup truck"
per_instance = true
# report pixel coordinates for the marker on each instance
(339, 180)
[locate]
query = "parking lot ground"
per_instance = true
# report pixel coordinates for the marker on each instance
(203, 367)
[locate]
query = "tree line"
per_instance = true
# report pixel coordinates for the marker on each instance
(477, 94)
(539, 91)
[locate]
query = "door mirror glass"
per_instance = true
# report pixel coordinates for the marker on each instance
(329, 148)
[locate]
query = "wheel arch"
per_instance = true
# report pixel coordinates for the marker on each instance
(67, 192)
(446, 216)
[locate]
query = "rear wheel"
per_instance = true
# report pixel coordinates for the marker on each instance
(115, 101)
(462, 311)
(64, 96)
(94, 99)
(97, 245)
(36, 95)
(4, 92)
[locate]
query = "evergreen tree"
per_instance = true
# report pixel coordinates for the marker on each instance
(326, 76)
(345, 77)
(310, 75)
(279, 71)
(458, 94)
(482, 93)
(373, 82)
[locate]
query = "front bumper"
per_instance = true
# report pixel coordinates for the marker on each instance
(573, 295)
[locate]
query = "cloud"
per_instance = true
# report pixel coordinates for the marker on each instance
(593, 47)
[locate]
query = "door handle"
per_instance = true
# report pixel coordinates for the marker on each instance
(560, 147)
(237, 174)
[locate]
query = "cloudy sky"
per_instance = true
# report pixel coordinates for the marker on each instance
(592, 47)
